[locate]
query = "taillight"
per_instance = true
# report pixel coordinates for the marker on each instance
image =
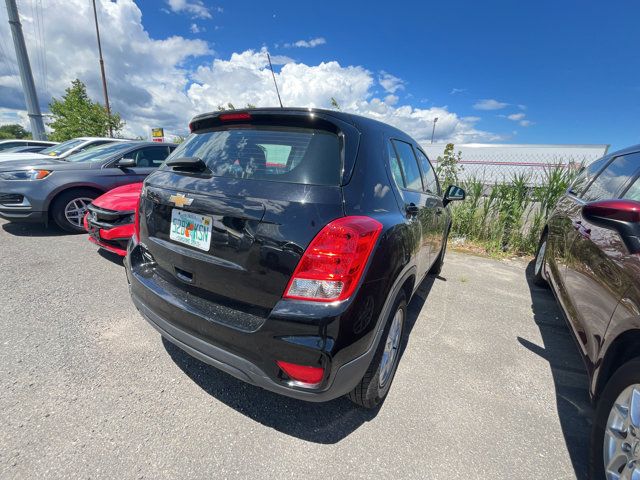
(302, 373)
(334, 261)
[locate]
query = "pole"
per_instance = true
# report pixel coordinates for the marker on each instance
(104, 78)
(26, 76)
(433, 132)
(274, 79)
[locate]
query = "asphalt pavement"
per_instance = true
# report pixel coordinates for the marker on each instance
(490, 385)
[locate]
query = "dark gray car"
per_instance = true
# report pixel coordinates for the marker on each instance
(60, 190)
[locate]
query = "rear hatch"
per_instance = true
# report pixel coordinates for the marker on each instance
(232, 220)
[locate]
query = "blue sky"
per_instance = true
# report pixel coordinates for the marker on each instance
(575, 65)
(501, 71)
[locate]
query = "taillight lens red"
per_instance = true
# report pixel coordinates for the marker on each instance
(230, 117)
(302, 373)
(334, 261)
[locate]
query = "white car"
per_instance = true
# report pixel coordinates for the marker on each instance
(14, 142)
(61, 150)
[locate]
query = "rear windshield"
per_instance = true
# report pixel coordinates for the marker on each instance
(279, 154)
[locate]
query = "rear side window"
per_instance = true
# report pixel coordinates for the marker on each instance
(430, 180)
(280, 154)
(613, 178)
(410, 170)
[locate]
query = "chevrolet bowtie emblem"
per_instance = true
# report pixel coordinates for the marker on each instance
(180, 200)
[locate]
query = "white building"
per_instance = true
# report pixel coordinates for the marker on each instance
(499, 162)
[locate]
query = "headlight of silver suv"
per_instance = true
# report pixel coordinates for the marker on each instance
(25, 175)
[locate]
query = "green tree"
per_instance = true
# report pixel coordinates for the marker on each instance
(76, 115)
(13, 130)
(449, 166)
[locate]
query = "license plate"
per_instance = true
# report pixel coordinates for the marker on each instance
(191, 229)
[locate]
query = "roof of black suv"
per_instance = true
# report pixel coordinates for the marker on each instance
(358, 121)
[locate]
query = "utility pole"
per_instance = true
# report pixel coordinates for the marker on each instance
(104, 78)
(274, 79)
(433, 132)
(26, 76)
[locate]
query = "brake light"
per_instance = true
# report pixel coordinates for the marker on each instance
(230, 117)
(302, 373)
(334, 261)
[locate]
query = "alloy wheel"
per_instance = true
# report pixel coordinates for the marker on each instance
(75, 210)
(391, 348)
(621, 448)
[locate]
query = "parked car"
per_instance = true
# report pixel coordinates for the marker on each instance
(61, 150)
(109, 218)
(31, 149)
(589, 254)
(283, 245)
(7, 144)
(60, 190)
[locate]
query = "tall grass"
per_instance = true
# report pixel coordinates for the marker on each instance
(508, 216)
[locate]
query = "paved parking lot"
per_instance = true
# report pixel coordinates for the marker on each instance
(490, 385)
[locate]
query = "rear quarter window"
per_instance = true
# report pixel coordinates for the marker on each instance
(280, 154)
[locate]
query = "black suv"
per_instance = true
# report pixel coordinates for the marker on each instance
(283, 245)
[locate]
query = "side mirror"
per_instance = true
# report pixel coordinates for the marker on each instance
(623, 216)
(454, 193)
(126, 163)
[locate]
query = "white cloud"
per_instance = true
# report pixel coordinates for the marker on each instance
(516, 116)
(314, 42)
(195, 8)
(525, 123)
(455, 91)
(152, 83)
(489, 104)
(390, 83)
(195, 28)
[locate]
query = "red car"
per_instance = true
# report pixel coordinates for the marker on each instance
(110, 218)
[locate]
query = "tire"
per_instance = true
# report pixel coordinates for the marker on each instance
(436, 268)
(540, 261)
(624, 378)
(374, 386)
(82, 197)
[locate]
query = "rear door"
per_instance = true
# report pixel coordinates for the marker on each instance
(595, 277)
(434, 205)
(235, 231)
(406, 172)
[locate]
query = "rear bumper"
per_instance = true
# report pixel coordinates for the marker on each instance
(249, 352)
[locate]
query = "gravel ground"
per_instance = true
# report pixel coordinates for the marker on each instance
(490, 385)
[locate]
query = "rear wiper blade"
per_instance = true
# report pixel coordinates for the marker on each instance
(191, 164)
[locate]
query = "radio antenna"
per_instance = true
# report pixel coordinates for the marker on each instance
(274, 79)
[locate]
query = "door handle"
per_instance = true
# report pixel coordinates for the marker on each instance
(411, 209)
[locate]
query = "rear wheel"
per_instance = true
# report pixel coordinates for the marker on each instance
(615, 439)
(538, 269)
(375, 384)
(69, 208)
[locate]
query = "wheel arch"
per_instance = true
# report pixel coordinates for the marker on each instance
(67, 188)
(621, 350)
